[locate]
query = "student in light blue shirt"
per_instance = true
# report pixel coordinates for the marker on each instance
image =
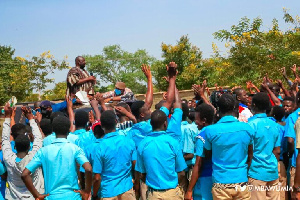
(230, 144)
(266, 149)
(60, 184)
(113, 163)
(201, 181)
(160, 159)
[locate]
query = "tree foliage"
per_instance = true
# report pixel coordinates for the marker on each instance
(115, 65)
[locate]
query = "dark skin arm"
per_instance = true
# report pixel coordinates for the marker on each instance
(29, 184)
(85, 194)
(171, 68)
(272, 95)
(285, 91)
(94, 104)
(90, 78)
(149, 94)
(195, 175)
(276, 152)
(250, 155)
(177, 103)
(188, 156)
(136, 184)
(127, 113)
(100, 99)
(71, 113)
(294, 70)
(291, 146)
(96, 184)
(297, 177)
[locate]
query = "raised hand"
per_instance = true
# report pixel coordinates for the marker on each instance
(172, 69)
(279, 83)
(147, 71)
(294, 68)
(91, 117)
(283, 71)
(27, 112)
(42, 196)
(8, 111)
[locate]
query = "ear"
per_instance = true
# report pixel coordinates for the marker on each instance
(238, 98)
(142, 115)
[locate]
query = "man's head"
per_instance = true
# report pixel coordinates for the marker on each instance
(97, 129)
(185, 110)
(160, 104)
(124, 105)
(108, 121)
(184, 101)
(190, 104)
(241, 95)
(260, 102)
(61, 125)
(275, 89)
(278, 113)
(46, 126)
(204, 115)
(226, 104)
(81, 119)
(22, 143)
(288, 104)
(159, 121)
(46, 109)
(140, 112)
(298, 99)
(80, 61)
(18, 129)
(120, 88)
(36, 105)
(56, 114)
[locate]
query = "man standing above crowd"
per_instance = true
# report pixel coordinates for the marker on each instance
(78, 78)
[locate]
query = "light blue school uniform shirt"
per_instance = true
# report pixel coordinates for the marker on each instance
(160, 157)
(58, 161)
(174, 124)
(290, 132)
(90, 151)
(264, 165)
(113, 161)
(139, 131)
(229, 140)
(85, 137)
(2, 181)
(188, 140)
(52, 137)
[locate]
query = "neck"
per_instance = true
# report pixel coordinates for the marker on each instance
(227, 114)
(109, 131)
(61, 136)
(259, 111)
(158, 129)
(21, 154)
(79, 128)
(123, 119)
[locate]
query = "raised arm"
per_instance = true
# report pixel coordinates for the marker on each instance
(128, 114)
(177, 103)
(285, 91)
(272, 95)
(94, 104)
(172, 71)
(38, 142)
(294, 70)
(6, 147)
(283, 72)
(71, 113)
(101, 100)
(149, 94)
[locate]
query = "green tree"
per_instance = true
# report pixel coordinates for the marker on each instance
(254, 52)
(188, 58)
(115, 64)
(58, 92)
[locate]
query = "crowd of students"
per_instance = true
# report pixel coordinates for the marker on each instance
(235, 145)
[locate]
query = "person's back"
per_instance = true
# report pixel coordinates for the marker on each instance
(15, 162)
(266, 135)
(229, 140)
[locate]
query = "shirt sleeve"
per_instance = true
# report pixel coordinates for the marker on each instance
(277, 137)
(180, 164)
(36, 162)
(207, 144)
(59, 106)
(98, 164)
(134, 152)
(200, 146)
(289, 128)
(188, 143)
(174, 126)
(80, 156)
(6, 146)
(38, 141)
(165, 110)
(73, 78)
(2, 168)
(140, 165)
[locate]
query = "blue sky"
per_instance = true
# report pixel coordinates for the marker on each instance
(72, 27)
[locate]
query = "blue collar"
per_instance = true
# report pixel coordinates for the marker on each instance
(78, 132)
(111, 134)
(228, 119)
(60, 140)
(184, 123)
(156, 133)
(260, 115)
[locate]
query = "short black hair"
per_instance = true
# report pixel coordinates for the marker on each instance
(56, 114)
(287, 98)
(46, 126)
(185, 110)
(123, 105)
(22, 143)
(192, 115)
(160, 104)
(81, 118)
(158, 118)
(226, 103)
(261, 101)
(108, 120)
(18, 129)
(136, 108)
(238, 91)
(61, 125)
(98, 131)
(77, 58)
(278, 113)
(206, 111)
